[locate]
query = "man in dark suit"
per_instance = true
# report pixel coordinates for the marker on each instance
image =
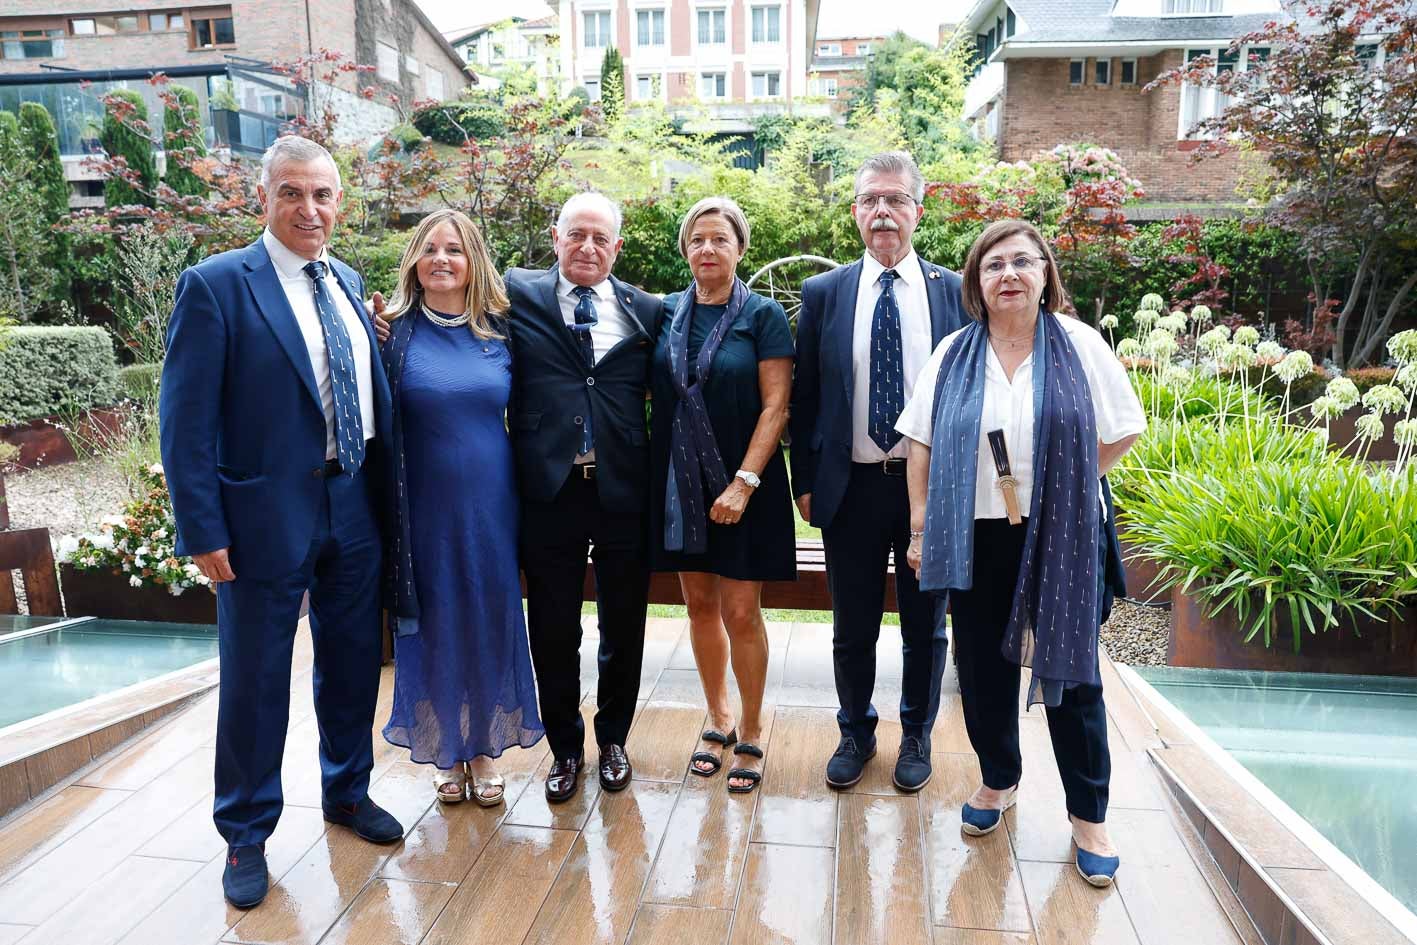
(581, 343)
(864, 332)
(271, 405)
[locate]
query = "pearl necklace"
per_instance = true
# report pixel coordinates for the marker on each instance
(444, 322)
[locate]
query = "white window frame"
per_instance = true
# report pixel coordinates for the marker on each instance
(608, 36)
(767, 94)
(649, 13)
(1192, 7)
(592, 87)
(656, 86)
(410, 64)
(709, 11)
(829, 87)
(705, 77)
(863, 49)
(1208, 101)
(433, 85)
(387, 61)
(829, 49)
(765, 9)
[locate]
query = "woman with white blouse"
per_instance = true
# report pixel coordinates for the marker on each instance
(1014, 421)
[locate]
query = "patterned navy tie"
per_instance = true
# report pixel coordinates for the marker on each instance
(349, 425)
(586, 318)
(887, 366)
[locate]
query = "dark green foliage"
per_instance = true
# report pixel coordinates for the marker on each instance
(183, 141)
(139, 381)
(45, 370)
(455, 122)
(408, 138)
(126, 135)
(612, 84)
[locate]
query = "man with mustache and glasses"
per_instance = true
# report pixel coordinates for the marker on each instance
(864, 332)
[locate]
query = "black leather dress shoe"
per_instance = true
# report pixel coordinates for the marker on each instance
(244, 881)
(562, 779)
(615, 769)
(367, 819)
(912, 768)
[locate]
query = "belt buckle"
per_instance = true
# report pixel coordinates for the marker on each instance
(587, 470)
(894, 466)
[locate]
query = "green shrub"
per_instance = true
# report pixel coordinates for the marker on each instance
(182, 133)
(480, 120)
(44, 371)
(124, 135)
(139, 381)
(407, 137)
(41, 141)
(1369, 377)
(1205, 396)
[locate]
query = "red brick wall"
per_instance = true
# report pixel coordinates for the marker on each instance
(1041, 110)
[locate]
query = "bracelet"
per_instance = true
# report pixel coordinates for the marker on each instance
(915, 535)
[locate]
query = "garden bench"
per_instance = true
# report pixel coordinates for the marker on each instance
(28, 550)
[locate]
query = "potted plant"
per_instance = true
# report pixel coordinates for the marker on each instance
(130, 570)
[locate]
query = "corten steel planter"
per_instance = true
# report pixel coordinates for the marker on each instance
(105, 594)
(1364, 647)
(42, 443)
(1340, 436)
(4, 506)
(1141, 577)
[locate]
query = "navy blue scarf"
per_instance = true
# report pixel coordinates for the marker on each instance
(1056, 608)
(399, 594)
(695, 463)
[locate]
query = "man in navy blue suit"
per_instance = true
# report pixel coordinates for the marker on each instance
(271, 405)
(864, 333)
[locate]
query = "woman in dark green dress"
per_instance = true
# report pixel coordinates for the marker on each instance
(721, 511)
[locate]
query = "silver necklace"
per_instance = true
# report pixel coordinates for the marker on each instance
(444, 322)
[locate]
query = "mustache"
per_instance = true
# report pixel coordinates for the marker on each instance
(884, 223)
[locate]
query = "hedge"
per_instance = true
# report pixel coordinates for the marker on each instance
(480, 120)
(139, 381)
(46, 370)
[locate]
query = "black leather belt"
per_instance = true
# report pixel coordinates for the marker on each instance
(893, 467)
(332, 468)
(587, 470)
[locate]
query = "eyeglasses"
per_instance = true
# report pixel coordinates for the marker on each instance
(1021, 263)
(896, 201)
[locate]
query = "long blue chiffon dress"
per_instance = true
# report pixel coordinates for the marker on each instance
(463, 685)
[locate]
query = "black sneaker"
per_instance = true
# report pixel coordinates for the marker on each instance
(244, 881)
(912, 768)
(848, 763)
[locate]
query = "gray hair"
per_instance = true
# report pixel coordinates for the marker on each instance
(894, 162)
(586, 200)
(297, 150)
(724, 206)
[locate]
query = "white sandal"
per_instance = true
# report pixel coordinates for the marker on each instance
(489, 792)
(453, 777)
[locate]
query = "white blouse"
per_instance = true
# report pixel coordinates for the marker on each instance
(1008, 405)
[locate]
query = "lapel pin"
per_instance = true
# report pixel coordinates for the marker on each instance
(629, 299)
(934, 273)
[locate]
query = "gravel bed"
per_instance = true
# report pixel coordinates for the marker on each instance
(68, 499)
(1137, 635)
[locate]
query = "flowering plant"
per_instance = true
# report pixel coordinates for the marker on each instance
(139, 543)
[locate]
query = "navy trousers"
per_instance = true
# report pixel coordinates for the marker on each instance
(256, 623)
(873, 523)
(988, 684)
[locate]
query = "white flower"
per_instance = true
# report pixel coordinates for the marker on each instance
(1295, 365)
(1369, 426)
(1247, 335)
(111, 520)
(156, 469)
(135, 581)
(1145, 317)
(67, 546)
(142, 550)
(103, 542)
(1174, 323)
(1107, 322)
(176, 589)
(1200, 313)
(1213, 340)
(1405, 432)
(1152, 302)
(1177, 378)
(203, 580)
(1406, 378)
(1128, 348)
(191, 569)
(1236, 355)
(1343, 390)
(160, 533)
(1384, 399)
(1325, 408)
(1403, 346)
(138, 561)
(1270, 350)
(1161, 344)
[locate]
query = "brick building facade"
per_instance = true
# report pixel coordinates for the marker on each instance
(839, 67)
(1051, 74)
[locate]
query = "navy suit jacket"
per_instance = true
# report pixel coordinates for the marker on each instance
(242, 429)
(823, 379)
(550, 384)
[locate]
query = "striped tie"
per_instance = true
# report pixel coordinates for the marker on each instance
(349, 425)
(887, 367)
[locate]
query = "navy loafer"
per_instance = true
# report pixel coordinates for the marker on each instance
(367, 819)
(912, 768)
(1098, 870)
(848, 763)
(978, 821)
(244, 881)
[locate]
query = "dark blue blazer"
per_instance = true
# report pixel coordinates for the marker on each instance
(822, 383)
(550, 384)
(242, 430)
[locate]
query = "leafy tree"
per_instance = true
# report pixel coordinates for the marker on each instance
(39, 140)
(25, 278)
(927, 99)
(612, 84)
(127, 138)
(1330, 106)
(183, 141)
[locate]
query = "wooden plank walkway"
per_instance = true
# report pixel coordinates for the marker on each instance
(126, 853)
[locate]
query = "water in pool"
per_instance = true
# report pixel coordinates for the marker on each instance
(1340, 750)
(54, 668)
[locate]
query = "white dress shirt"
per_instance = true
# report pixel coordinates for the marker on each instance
(1008, 406)
(914, 304)
(300, 293)
(612, 324)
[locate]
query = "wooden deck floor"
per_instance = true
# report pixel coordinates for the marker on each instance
(127, 852)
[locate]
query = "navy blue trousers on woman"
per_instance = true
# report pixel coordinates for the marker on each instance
(256, 622)
(988, 684)
(873, 523)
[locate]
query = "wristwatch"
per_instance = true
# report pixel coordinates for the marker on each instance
(750, 478)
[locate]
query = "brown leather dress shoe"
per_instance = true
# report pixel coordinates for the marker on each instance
(615, 770)
(562, 779)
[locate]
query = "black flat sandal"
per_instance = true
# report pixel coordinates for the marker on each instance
(708, 757)
(748, 774)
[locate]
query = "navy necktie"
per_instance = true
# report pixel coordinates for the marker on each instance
(586, 317)
(349, 425)
(887, 367)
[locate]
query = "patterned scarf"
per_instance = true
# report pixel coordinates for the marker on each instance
(695, 465)
(1055, 616)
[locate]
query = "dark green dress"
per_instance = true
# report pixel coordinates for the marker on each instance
(762, 546)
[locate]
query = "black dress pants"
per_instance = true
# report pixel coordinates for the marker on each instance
(555, 538)
(872, 524)
(988, 684)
